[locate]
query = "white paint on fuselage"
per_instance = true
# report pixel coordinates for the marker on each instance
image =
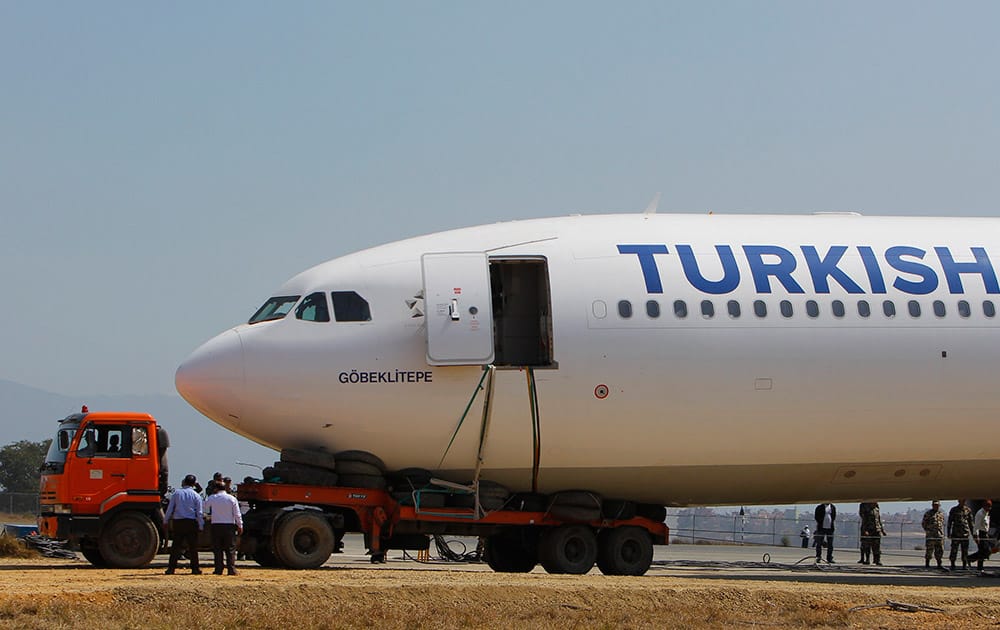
(685, 394)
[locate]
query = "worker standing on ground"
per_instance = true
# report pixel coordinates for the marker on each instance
(227, 523)
(805, 535)
(871, 533)
(933, 524)
(826, 516)
(960, 527)
(185, 518)
(984, 543)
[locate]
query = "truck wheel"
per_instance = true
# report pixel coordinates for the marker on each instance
(93, 555)
(362, 456)
(319, 459)
(624, 551)
(370, 482)
(129, 541)
(511, 552)
(348, 467)
(265, 558)
(303, 540)
(568, 549)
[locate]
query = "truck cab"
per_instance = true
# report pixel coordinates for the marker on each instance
(102, 486)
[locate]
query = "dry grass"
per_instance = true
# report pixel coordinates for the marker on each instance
(11, 547)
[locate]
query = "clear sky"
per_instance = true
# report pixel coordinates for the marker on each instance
(165, 166)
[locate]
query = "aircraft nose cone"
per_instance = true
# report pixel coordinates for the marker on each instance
(212, 380)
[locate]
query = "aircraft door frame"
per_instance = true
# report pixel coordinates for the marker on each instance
(458, 308)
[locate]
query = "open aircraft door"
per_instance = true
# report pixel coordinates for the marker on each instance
(459, 312)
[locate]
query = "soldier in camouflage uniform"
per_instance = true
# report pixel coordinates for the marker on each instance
(933, 524)
(960, 527)
(871, 533)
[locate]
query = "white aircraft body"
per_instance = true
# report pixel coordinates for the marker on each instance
(677, 359)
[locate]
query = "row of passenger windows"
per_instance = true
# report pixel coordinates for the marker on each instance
(837, 307)
(348, 306)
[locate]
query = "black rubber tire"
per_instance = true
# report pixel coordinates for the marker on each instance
(305, 475)
(361, 456)
(489, 502)
(512, 551)
(655, 513)
(624, 551)
(617, 509)
(583, 498)
(568, 549)
(129, 541)
(93, 556)
(409, 478)
(269, 474)
(265, 557)
(528, 502)
(575, 505)
(432, 500)
(317, 458)
(575, 513)
(358, 468)
(370, 482)
(303, 540)
(403, 498)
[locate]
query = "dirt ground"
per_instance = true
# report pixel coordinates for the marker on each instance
(46, 593)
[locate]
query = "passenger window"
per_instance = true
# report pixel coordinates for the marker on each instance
(964, 308)
(760, 308)
(786, 308)
(734, 309)
(989, 309)
(838, 308)
(313, 309)
(680, 309)
(812, 308)
(707, 309)
(864, 309)
(914, 307)
(625, 309)
(348, 306)
(274, 308)
(939, 310)
(653, 309)
(889, 308)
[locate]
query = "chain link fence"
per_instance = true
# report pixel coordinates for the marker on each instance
(19, 503)
(783, 528)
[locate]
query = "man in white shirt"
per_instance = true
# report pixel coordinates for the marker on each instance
(983, 542)
(227, 523)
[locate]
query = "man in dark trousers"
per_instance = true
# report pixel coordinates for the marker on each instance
(826, 515)
(227, 523)
(184, 519)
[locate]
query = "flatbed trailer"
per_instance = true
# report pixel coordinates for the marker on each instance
(299, 526)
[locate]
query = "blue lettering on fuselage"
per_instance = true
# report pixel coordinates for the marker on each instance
(909, 269)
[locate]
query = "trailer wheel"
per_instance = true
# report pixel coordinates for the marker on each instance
(624, 551)
(512, 552)
(129, 541)
(361, 456)
(303, 540)
(371, 482)
(93, 555)
(349, 467)
(568, 549)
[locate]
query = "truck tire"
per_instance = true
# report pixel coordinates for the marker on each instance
(317, 458)
(305, 475)
(371, 482)
(618, 509)
(303, 540)
(410, 478)
(357, 468)
(624, 551)
(129, 541)
(655, 513)
(528, 502)
(568, 549)
(575, 505)
(265, 557)
(513, 551)
(93, 555)
(361, 456)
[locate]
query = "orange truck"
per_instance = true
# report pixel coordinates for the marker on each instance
(104, 484)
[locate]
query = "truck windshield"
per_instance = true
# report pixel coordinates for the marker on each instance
(60, 445)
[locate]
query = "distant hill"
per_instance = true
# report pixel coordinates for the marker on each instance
(197, 445)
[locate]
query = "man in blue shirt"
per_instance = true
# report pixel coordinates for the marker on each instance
(183, 520)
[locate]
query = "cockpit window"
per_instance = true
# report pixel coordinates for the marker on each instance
(275, 308)
(313, 309)
(348, 306)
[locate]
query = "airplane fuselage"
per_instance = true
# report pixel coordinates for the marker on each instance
(677, 359)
